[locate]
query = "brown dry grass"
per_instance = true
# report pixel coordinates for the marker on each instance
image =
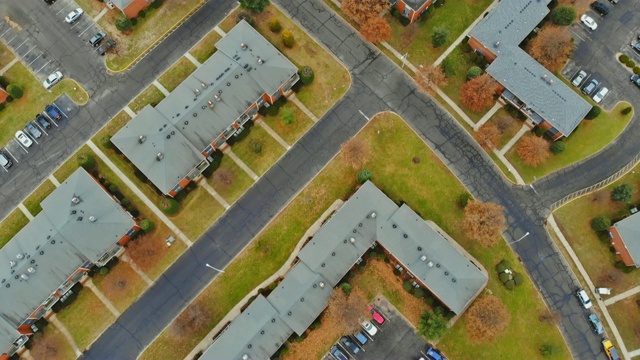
(581, 6)
(122, 285)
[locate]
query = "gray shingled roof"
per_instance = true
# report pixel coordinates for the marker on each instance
(121, 4)
(56, 243)
(203, 106)
(629, 230)
(257, 333)
(8, 334)
(415, 4)
(501, 31)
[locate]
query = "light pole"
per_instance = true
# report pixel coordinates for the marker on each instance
(404, 59)
(534, 189)
(211, 267)
(523, 236)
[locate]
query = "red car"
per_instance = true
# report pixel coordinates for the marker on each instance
(376, 315)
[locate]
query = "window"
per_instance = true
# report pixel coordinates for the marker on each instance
(209, 150)
(177, 188)
(260, 102)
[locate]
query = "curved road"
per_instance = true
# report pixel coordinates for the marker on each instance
(377, 85)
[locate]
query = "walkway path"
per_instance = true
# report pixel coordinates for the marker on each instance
(101, 14)
(25, 211)
(301, 106)
(214, 193)
(497, 106)
(100, 295)
(65, 332)
(260, 121)
(54, 180)
(135, 268)
(624, 295)
(240, 163)
(160, 87)
(192, 59)
(523, 130)
(8, 66)
(139, 193)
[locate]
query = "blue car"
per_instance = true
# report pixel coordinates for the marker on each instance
(434, 354)
(53, 112)
(362, 339)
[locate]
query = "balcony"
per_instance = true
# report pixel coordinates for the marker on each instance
(513, 100)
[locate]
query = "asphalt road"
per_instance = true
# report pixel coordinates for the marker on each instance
(377, 85)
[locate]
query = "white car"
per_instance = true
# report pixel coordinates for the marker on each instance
(74, 15)
(600, 95)
(52, 80)
(23, 138)
(579, 78)
(588, 22)
(369, 328)
(584, 299)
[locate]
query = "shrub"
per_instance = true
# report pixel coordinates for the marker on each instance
(518, 279)
(563, 15)
(105, 142)
(125, 202)
(373, 254)
(104, 270)
(593, 113)
(630, 63)
(113, 188)
(504, 277)
(548, 350)
(3, 81)
(244, 16)
(464, 199)
(147, 225)
(623, 58)
(287, 38)
(600, 223)
(636, 70)
(274, 25)
(256, 6)
(474, 72)
(123, 23)
(432, 325)
(407, 286)
(448, 67)
(306, 75)
(626, 110)
(510, 284)
(622, 193)
(87, 161)
(142, 13)
(439, 37)
(169, 206)
(506, 263)
(396, 272)
(14, 91)
(500, 267)
(156, 4)
(363, 176)
(346, 288)
(419, 293)
(558, 147)
(256, 146)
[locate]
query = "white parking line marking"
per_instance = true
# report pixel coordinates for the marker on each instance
(63, 113)
(41, 128)
(6, 31)
(29, 52)
(3, 168)
(30, 136)
(43, 66)
(83, 31)
(23, 148)
(11, 39)
(75, 23)
(14, 158)
(61, 10)
(19, 46)
(34, 59)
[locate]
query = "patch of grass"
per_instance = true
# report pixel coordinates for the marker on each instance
(626, 315)
(177, 73)
(460, 63)
(51, 344)
(587, 139)
(293, 131)
(6, 56)
(122, 285)
(503, 168)
(516, 125)
(113, 126)
(240, 181)
(149, 96)
(151, 253)
(11, 225)
(91, 8)
(145, 33)
(32, 203)
(71, 165)
(331, 79)
(428, 187)
(86, 318)
(198, 211)
(76, 92)
(271, 150)
(574, 219)
(205, 47)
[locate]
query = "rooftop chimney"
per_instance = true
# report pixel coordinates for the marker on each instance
(19, 256)
(210, 103)
(373, 215)
(92, 218)
(75, 200)
(196, 91)
(352, 240)
(217, 97)
(204, 86)
(321, 284)
(430, 264)
(141, 139)
(423, 257)
(12, 263)
(243, 46)
(260, 61)
(31, 270)
(24, 277)
(159, 156)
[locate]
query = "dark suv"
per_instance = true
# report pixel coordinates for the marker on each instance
(97, 38)
(42, 121)
(600, 8)
(52, 112)
(110, 43)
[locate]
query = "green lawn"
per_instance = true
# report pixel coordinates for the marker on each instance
(205, 47)
(50, 344)
(149, 96)
(6, 56)
(11, 225)
(514, 127)
(429, 188)
(113, 126)
(76, 92)
(71, 165)
(262, 161)
(86, 318)
(177, 73)
(293, 131)
(32, 203)
(331, 81)
(229, 171)
(589, 137)
(91, 7)
(122, 285)
(198, 211)
(145, 33)
(592, 249)
(626, 315)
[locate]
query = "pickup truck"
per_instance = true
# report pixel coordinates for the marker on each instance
(611, 352)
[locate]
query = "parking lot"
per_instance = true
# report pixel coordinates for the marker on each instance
(396, 338)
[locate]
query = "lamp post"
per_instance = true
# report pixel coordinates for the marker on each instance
(211, 267)
(523, 236)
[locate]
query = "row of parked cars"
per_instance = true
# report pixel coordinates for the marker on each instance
(595, 322)
(40, 121)
(599, 8)
(590, 87)
(354, 344)
(95, 41)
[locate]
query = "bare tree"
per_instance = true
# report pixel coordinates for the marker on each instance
(46, 347)
(533, 150)
(376, 30)
(145, 251)
(484, 222)
(477, 93)
(429, 77)
(506, 123)
(355, 152)
(488, 136)
(362, 10)
(487, 318)
(552, 47)
(192, 320)
(223, 176)
(349, 310)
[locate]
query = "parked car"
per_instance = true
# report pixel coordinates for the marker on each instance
(600, 95)
(33, 130)
(596, 323)
(42, 121)
(50, 2)
(97, 38)
(588, 22)
(52, 80)
(23, 138)
(369, 328)
(611, 351)
(362, 338)
(584, 299)
(591, 86)
(600, 8)
(434, 354)
(108, 45)
(73, 16)
(338, 354)
(613, 1)
(348, 344)
(579, 78)
(376, 315)
(5, 162)
(52, 112)
(635, 45)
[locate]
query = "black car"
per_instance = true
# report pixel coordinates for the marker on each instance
(97, 38)
(110, 43)
(50, 2)
(600, 8)
(42, 121)
(350, 345)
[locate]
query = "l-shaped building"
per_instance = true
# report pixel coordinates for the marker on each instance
(172, 143)
(368, 219)
(80, 226)
(525, 84)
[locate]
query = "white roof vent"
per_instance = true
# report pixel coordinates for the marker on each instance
(210, 103)
(352, 240)
(373, 215)
(243, 46)
(160, 156)
(19, 256)
(12, 263)
(24, 277)
(75, 200)
(423, 258)
(141, 139)
(217, 97)
(260, 61)
(196, 91)
(496, 43)
(31, 270)
(321, 284)
(430, 264)
(204, 86)
(92, 218)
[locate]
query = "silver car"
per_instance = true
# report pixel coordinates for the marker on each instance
(579, 78)
(74, 15)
